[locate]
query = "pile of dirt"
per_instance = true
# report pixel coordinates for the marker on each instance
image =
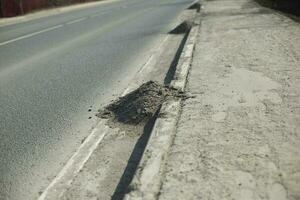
(139, 105)
(195, 6)
(183, 28)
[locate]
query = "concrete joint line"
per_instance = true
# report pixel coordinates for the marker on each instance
(147, 180)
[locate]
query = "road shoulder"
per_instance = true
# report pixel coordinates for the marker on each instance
(104, 163)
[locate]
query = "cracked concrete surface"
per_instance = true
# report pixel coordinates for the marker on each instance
(239, 137)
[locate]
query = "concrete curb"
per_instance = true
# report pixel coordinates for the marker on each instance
(147, 181)
(185, 60)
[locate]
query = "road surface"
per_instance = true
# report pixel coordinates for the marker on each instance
(56, 71)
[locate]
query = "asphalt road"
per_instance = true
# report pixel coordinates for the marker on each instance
(54, 69)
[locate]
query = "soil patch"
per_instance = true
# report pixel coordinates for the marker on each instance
(195, 6)
(134, 110)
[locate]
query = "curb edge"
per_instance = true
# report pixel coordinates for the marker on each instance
(147, 180)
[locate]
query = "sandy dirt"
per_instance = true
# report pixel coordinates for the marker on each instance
(139, 105)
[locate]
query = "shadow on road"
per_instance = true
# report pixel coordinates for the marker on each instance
(171, 72)
(285, 6)
(134, 160)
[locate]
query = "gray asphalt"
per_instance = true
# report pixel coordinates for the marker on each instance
(54, 69)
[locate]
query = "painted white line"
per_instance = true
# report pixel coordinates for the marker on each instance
(75, 163)
(153, 55)
(50, 12)
(97, 15)
(31, 34)
(76, 20)
(93, 16)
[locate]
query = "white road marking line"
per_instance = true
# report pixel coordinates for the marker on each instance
(95, 15)
(129, 89)
(42, 31)
(77, 161)
(31, 35)
(98, 14)
(76, 20)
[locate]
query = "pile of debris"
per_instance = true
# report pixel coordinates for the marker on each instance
(138, 106)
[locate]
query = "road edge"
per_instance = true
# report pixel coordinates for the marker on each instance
(172, 108)
(61, 182)
(147, 180)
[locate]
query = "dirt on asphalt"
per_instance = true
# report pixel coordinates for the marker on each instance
(132, 111)
(196, 6)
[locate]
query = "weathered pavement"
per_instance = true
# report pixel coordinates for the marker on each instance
(58, 70)
(239, 137)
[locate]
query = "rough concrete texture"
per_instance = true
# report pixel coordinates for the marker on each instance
(147, 180)
(239, 138)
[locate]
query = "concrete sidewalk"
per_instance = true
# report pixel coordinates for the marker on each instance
(239, 138)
